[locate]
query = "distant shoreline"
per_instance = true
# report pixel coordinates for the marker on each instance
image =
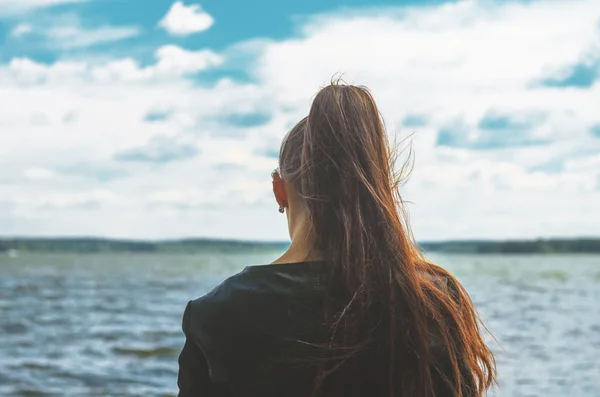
(200, 245)
(537, 246)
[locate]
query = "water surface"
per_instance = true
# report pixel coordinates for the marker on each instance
(110, 324)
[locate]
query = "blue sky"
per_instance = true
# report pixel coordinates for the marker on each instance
(235, 21)
(162, 119)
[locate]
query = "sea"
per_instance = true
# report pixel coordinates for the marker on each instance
(110, 324)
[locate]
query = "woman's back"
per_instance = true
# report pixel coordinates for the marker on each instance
(252, 329)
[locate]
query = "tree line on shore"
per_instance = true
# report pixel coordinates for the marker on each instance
(540, 246)
(98, 245)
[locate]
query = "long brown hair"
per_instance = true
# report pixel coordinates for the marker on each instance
(401, 316)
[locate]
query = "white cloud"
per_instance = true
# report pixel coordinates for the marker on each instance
(457, 61)
(182, 20)
(171, 62)
(39, 174)
(21, 30)
(67, 32)
(78, 200)
(77, 37)
(175, 60)
(10, 7)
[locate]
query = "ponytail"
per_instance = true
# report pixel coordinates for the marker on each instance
(396, 308)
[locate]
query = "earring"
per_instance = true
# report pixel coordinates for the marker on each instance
(281, 209)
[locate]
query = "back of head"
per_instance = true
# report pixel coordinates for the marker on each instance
(339, 162)
(337, 159)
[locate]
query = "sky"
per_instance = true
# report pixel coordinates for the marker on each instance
(160, 119)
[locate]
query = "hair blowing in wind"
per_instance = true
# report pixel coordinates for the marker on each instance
(405, 320)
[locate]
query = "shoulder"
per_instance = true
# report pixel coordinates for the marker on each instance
(220, 301)
(210, 323)
(246, 298)
(232, 300)
(264, 282)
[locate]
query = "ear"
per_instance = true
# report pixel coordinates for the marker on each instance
(279, 192)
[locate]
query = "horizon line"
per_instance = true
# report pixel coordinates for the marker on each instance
(248, 241)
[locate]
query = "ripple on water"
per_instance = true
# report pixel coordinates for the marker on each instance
(147, 352)
(158, 336)
(36, 365)
(27, 392)
(14, 327)
(525, 381)
(539, 352)
(26, 288)
(574, 333)
(554, 275)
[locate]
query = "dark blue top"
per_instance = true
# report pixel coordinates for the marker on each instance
(247, 337)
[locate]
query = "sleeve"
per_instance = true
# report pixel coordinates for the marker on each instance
(193, 379)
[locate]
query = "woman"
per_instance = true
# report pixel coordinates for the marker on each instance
(352, 308)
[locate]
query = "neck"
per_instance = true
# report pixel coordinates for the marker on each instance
(301, 247)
